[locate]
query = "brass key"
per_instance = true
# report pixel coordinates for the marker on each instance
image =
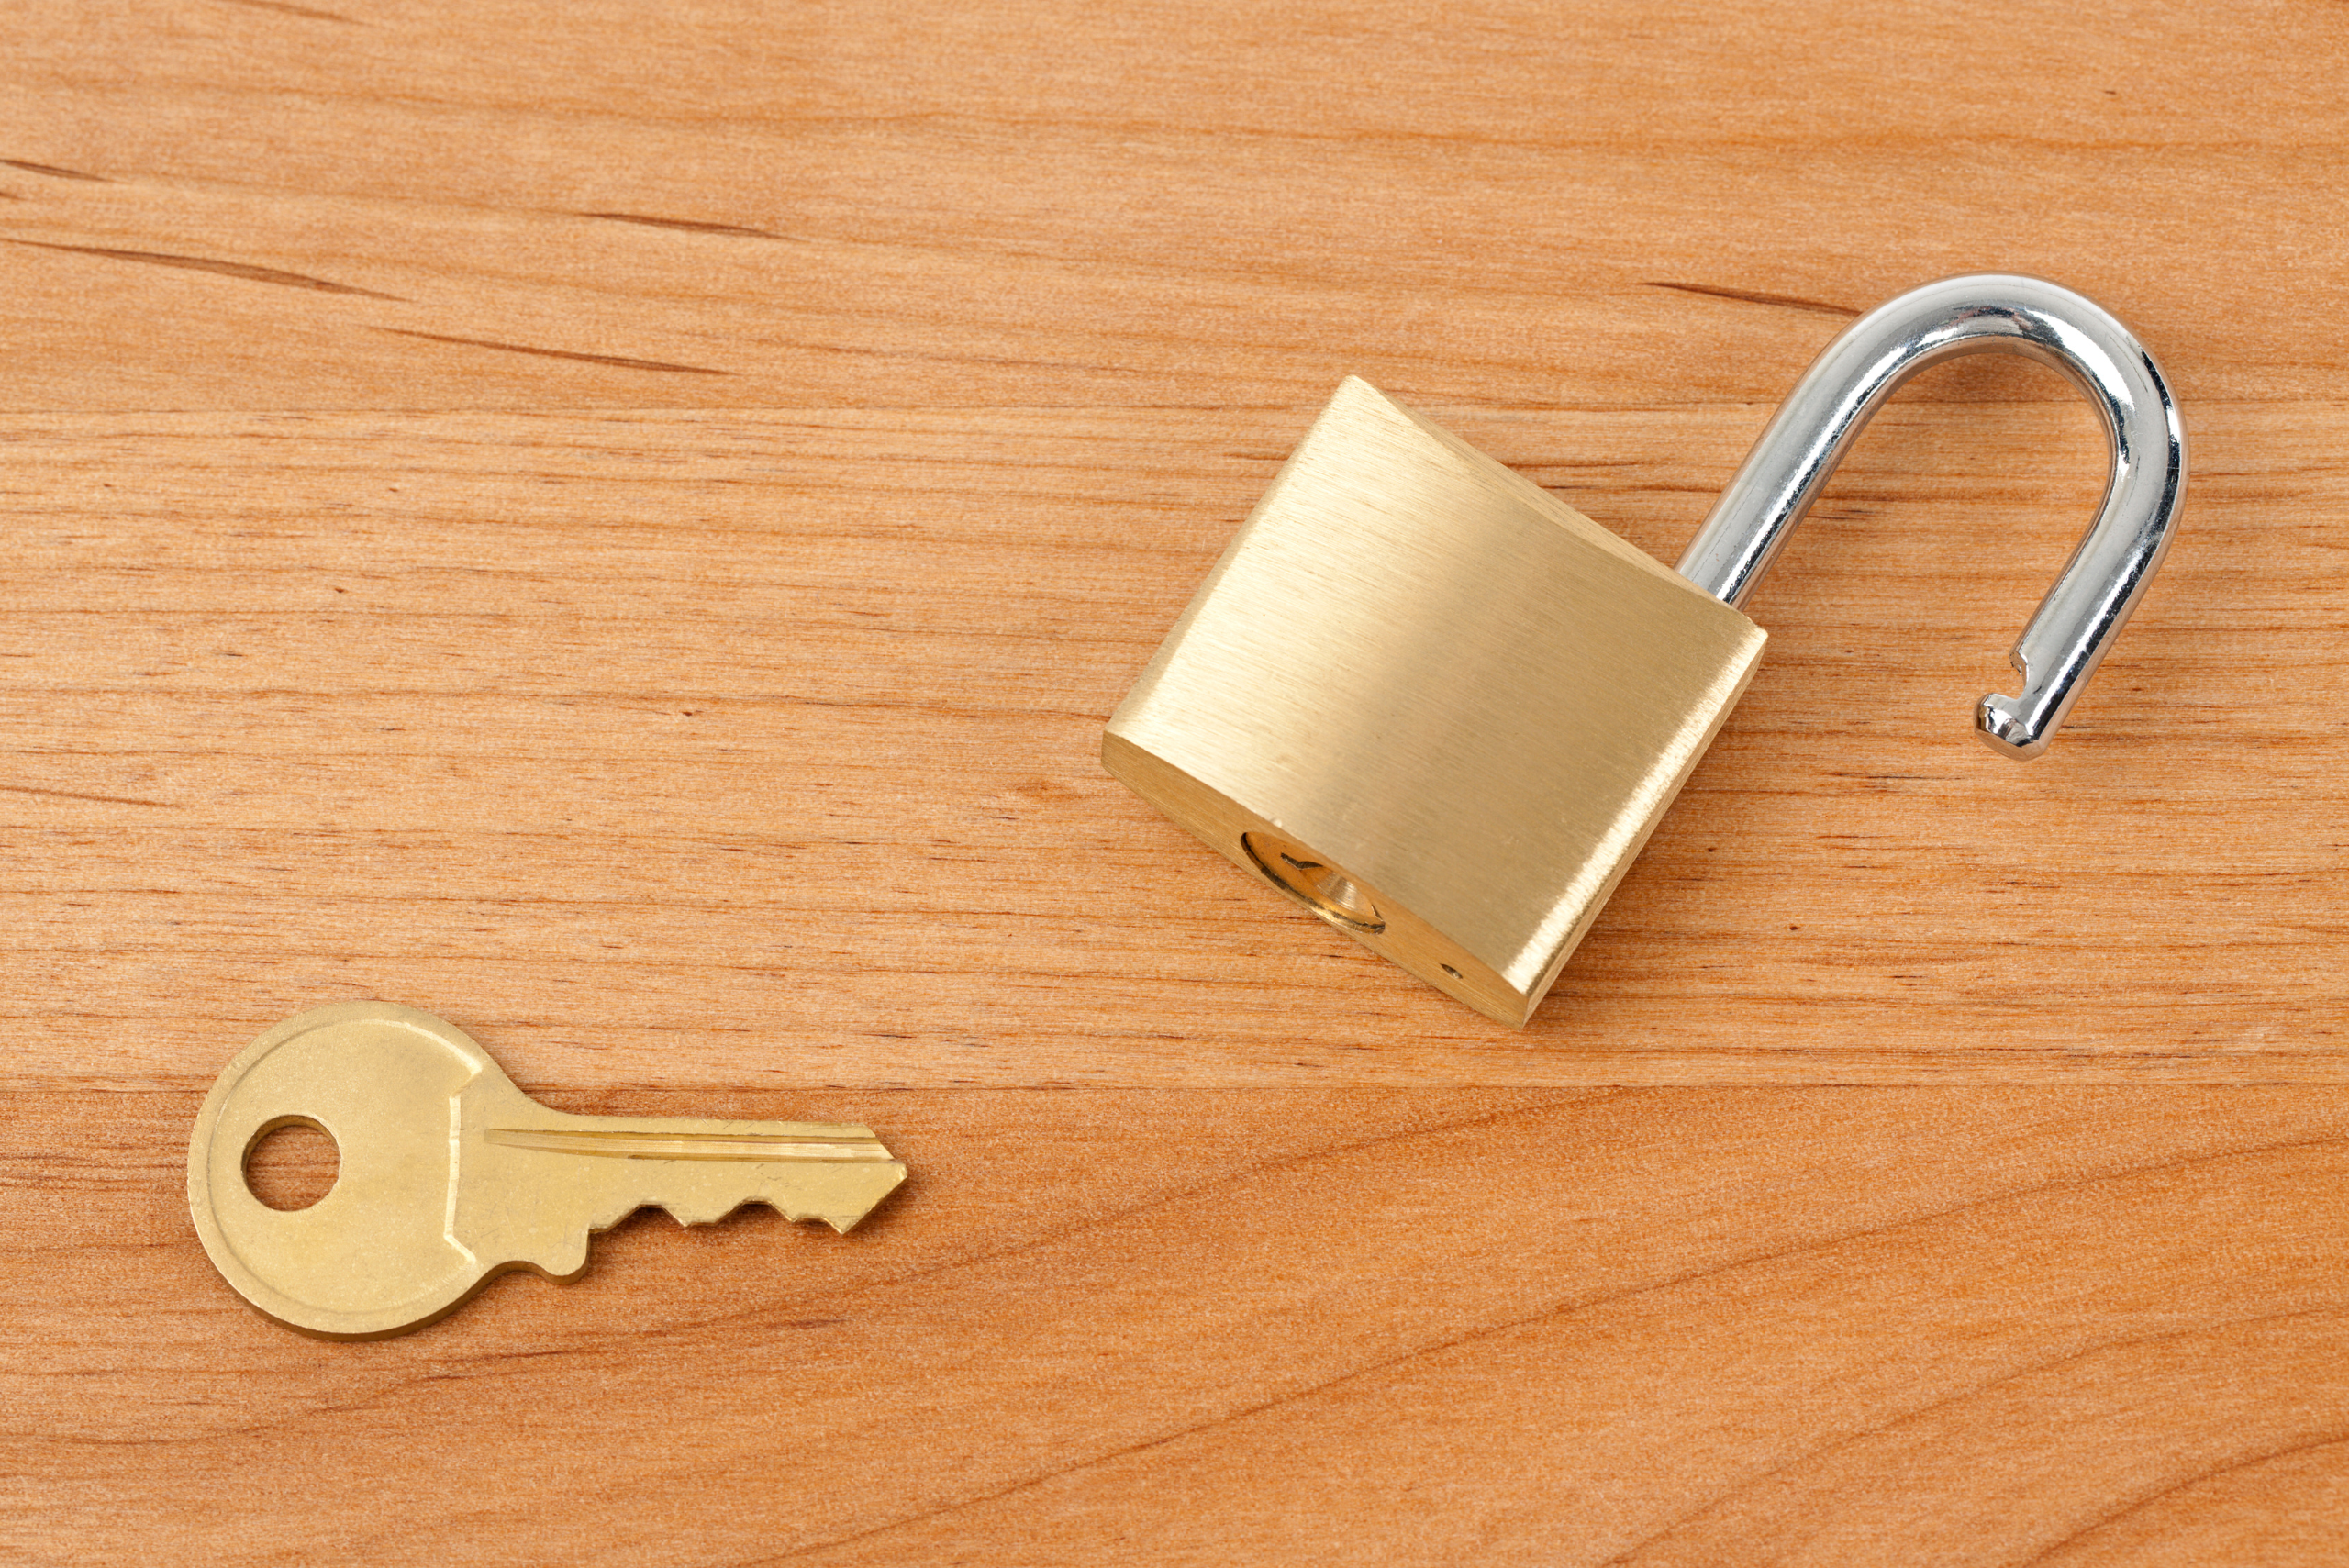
(450, 1175)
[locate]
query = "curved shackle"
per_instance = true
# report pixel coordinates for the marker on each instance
(1984, 312)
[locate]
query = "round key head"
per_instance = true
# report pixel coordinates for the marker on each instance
(373, 1256)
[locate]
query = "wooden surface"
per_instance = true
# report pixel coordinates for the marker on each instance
(622, 525)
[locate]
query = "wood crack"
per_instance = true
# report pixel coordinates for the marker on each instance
(1755, 297)
(243, 270)
(621, 361)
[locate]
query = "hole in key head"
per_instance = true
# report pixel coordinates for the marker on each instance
(292, 1162)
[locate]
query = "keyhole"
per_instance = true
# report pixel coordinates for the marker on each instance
(1320, 886)
(292, 1163)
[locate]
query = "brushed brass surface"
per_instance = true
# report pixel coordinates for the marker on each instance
(1432, 702)
(450, 1175)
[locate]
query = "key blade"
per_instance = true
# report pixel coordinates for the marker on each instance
(534, 1184)
(799, 1187)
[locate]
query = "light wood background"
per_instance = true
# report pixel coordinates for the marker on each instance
(621, 524)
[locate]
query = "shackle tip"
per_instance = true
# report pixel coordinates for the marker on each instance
(2004, 728)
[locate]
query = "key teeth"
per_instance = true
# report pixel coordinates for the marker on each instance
(691, 1216)
(850, 1198)
(566, 1265)
(683, 1215)
(687, 1213)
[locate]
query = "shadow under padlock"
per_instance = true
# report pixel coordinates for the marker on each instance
(1444, 710)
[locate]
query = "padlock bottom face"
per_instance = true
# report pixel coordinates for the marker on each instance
(1317, 881)
(1432, 703)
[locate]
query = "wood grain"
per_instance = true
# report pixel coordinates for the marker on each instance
(1561, 1327)
(621, 524)
(1010, 202)
(681, 747)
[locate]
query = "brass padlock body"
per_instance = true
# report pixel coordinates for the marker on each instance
(1432, 702)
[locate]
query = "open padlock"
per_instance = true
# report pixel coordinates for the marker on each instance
(1443, 711)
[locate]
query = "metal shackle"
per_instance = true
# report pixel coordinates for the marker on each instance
(1983, 313)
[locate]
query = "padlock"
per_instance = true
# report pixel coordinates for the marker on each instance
(1443, 710)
